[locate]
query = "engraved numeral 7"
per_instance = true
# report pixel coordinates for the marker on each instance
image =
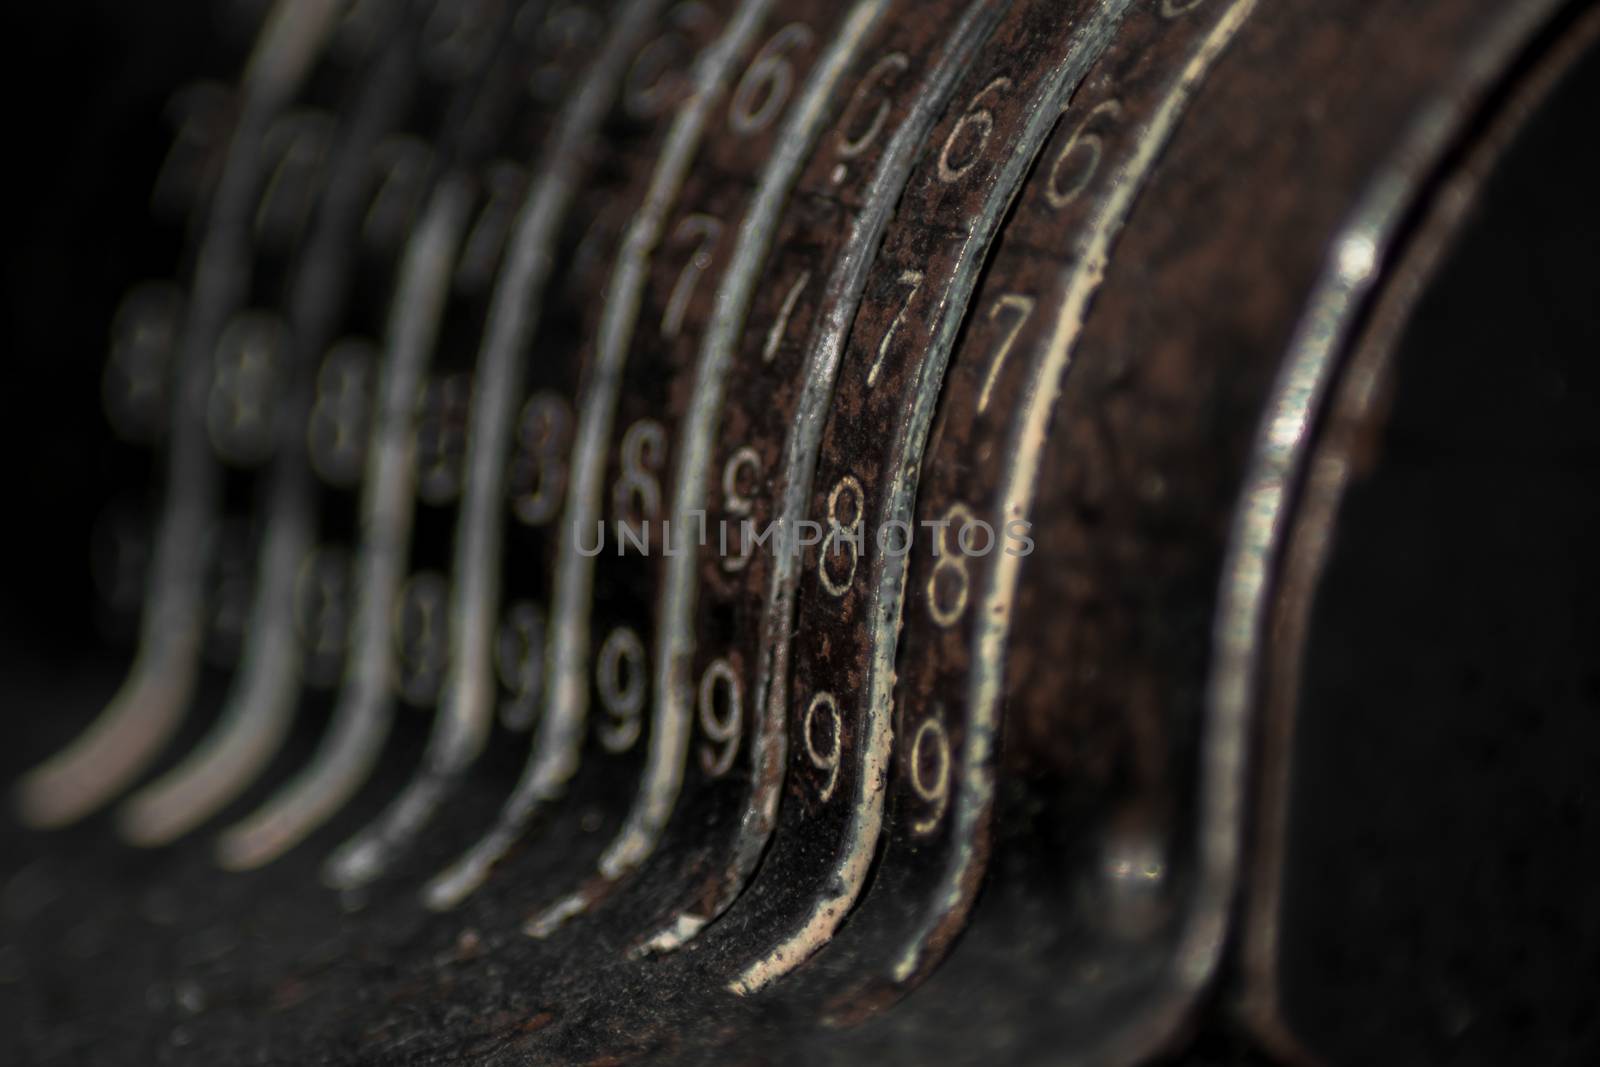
(1022, 306)
(705, 230)
(912, 279)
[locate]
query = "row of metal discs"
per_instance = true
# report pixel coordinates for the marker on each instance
(674, 394)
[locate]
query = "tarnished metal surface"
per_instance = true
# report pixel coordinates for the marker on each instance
(819, 531)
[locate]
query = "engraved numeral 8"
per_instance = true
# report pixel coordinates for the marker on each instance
(421, 636)
(143, 337)
(443, 410)
(644, 453)
(244, 384)
(322, 612)
(844, 535)
(340, 416)
(950, 582)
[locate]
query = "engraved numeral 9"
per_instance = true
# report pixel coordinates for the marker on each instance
(823, 710)
(121, 557)
(231, 574)
(519, 661)
(928, 771)
(620, 677)
(538, 475)
(720, 688)
(739, 474)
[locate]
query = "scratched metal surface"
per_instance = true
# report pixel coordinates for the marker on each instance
(391, 768)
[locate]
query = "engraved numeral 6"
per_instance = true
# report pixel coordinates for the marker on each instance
(855, 137)
(1075, 165)
(973, 130)
(764, 89)
(655, 81)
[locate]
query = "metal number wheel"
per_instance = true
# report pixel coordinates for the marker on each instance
(803, 531)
